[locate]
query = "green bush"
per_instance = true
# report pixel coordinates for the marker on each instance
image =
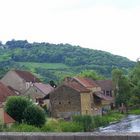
(23, 128)
(70, 127)
(85, 121)
(52, 125)
(100, 121)
(34, 115)
(15, 106)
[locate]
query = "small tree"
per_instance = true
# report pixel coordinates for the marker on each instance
(34, 115)
(15, 107)
(91, 74)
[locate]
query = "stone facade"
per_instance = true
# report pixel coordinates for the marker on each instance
(65, 102)
(85, 104)
(13, 80)
(34, 93)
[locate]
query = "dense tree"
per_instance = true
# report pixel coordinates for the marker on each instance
(91, 74)
(15, 107)
(123, 89)
(135, 84)
(34, 115)
(76, 58)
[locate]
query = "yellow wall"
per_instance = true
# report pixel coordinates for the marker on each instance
(85, 104)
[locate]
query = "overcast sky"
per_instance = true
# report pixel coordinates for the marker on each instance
(110, 25)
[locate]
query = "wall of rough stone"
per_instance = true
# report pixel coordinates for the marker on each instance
(65, 102)
(69, 136)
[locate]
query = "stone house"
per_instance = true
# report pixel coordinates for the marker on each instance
(103, 89)
(5, 118)
(107, 91)
(19, 80)
(70, 99)
(37, 92)
(5, 92)
(78, 96)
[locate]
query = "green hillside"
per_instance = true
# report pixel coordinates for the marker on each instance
(54, 61)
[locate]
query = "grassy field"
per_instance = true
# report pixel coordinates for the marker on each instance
(33, 65)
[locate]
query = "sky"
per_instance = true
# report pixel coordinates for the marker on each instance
(109, 25)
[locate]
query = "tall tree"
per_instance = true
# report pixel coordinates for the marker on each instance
(135, 83)
(122, 85)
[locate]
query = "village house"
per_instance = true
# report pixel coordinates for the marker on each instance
(66, 101)
(78, 96)
(5, 118)
(101, 89)
(19, 80)
(37, 92)
(5, 92)
(107, 90)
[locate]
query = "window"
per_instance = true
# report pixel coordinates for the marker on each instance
(59, 103)
(107, 93)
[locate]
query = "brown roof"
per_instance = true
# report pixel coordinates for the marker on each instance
(86, 82)
(76, 86)
(100, 95)
(5, 92)
(14, 90)
(7, 118)
(105, 84)
(45, 88)
(27, 76)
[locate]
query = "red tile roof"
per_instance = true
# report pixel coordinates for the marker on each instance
(27, 76)
(7, 118)
(77, 86)
(105, 84)
(5, 92)
(86, 82)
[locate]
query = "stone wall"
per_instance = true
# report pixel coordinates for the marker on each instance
(65, 102)
(13, 80)
(69, 136)
(86, 104)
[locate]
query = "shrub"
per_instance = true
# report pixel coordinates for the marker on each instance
(34, 115)
(15, 106)
(23, 128)
(70, 127)
(100, 121)
(85, 121)
(52, 125)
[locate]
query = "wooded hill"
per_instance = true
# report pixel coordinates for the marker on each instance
(57, 60)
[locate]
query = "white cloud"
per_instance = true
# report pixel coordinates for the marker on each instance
(103, 27)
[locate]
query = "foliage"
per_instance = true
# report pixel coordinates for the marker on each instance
(77, 125)
(34, 115)
(67, 59)
(123, 89)
(134, 77)
(85, 121)
(91, 74)
(52, 125)
(106, 119)
(15, 107)
(134, 111)
(70, 127)
(23, 128)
